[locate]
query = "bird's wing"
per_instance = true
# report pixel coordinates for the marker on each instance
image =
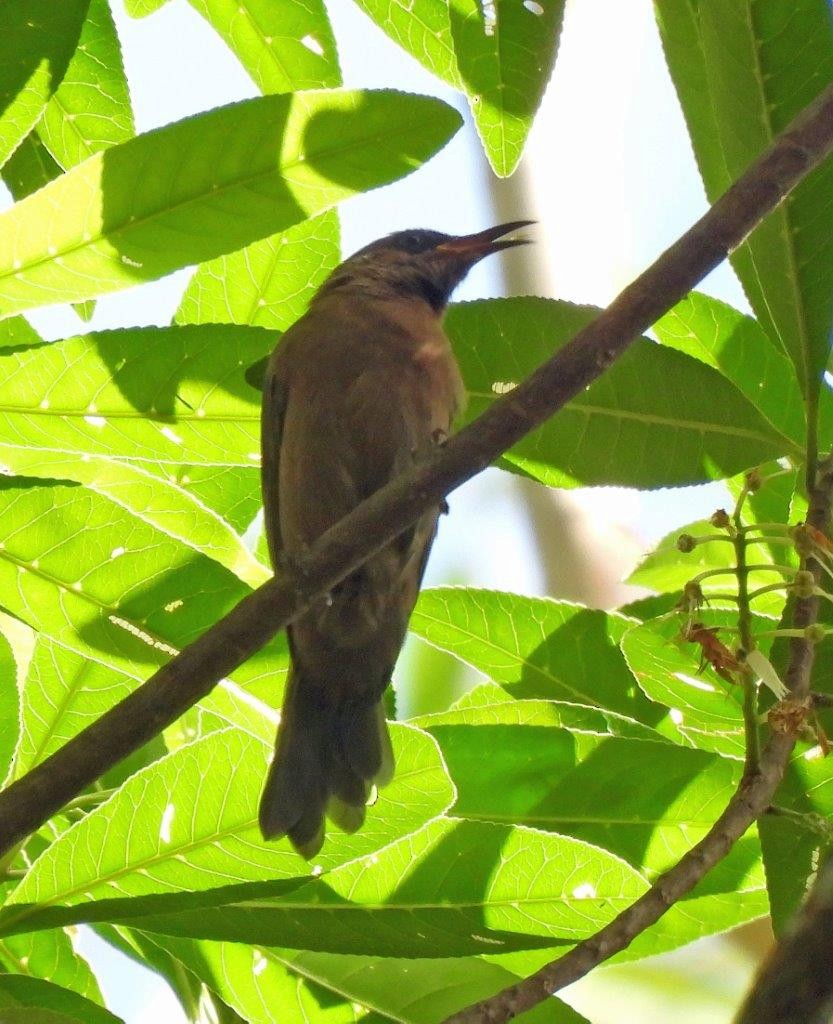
(271, 430)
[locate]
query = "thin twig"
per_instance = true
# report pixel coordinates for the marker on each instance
(189, 676)
(747, 640)
(795, 985)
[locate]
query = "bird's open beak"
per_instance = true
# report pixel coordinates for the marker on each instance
(484, 243)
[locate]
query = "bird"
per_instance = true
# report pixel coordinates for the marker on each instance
(358, 390)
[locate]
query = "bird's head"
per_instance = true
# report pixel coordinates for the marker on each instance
(425, 264)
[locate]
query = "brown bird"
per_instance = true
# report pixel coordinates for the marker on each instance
(359, 389)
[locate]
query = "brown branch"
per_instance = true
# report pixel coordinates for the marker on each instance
(796, 983)
(188, 677)
(752, 799)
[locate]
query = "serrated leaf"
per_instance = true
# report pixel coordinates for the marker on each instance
(135, 945)
(740, 349)
(656, 418)
(742, 71)
(500, 54)
(505, 54)
(284, 45)
(37, 39)
(422, 28)
(141, 8)
(535, 647)
(164, 501)
(189, 823)
(491, 705)
(62, 694)
(333, 988)
(651, 800)
(49, 955)
(17, 331)
(101, 582)
(791, 849)
(233, 492)
(152, 394)
(732, 893)
(648, 802)
(253, 982)
(706, 711)
(37, 994)
(454, 888)
(206, 185)
(29, 168)
(9, 709)
(90, 110)
(267, 284)
(667, 569)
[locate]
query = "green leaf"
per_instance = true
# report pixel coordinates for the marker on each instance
(333, 988)
(17, 331)
(28, 1015)
(141, 8)
(267, 284)
(285, 45)
(490, 705)
(742, 71)
(792, 850)
(233, 492)
(153, 394)
(138, 947)
(739, 348)
(732, 893)
(779, 500)
(72, 405)
(422, 28)
(170, 502)
(650, 800)
(505, 55)
(189, 823)
(101, 582)
(90, 111)
(500, 54)
(49, 955)
(454, 888)
(656, 418)
(535, 647)
(207, 185)
(29, 168)
(9, 700)
(17, 991)
(667, 569)
(37, 39)
(647, 802)
(63, 693)
(706, 712)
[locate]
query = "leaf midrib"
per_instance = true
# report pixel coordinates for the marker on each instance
(654, 418)
(244, 181)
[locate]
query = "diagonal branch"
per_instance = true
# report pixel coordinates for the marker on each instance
(188, 677)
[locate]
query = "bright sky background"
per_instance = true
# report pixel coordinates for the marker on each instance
(613, 183)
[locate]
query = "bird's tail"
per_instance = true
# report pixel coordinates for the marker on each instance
(327, 757)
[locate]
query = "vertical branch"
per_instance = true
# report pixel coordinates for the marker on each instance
(747, 640)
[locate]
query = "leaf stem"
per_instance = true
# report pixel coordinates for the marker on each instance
(747, 639)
